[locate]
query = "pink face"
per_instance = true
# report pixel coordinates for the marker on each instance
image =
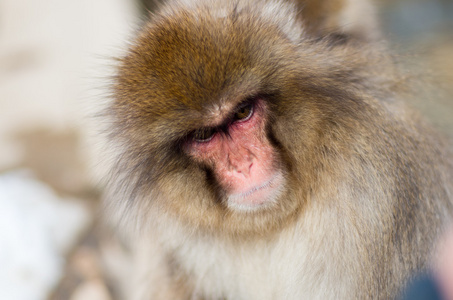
(243, 160)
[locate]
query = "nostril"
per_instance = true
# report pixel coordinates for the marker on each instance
(242, 168)
(240, 163)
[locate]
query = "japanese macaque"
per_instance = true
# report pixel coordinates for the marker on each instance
(263, 152)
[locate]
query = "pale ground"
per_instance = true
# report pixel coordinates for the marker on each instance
(54, 67)
(54, 58)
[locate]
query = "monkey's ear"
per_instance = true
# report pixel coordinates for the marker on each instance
(351, 18)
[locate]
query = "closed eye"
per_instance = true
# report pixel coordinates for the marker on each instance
(203, 135)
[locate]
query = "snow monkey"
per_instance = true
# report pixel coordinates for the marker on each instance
(264, 151)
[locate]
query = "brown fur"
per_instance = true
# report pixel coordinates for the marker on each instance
(349, 147)
(320, 16)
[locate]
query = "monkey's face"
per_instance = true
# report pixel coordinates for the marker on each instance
(214, 123)
(240, 155)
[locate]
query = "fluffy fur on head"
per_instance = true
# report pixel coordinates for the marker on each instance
(196, 55)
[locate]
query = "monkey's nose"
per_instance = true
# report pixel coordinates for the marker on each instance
(245, 169)
(241, 165)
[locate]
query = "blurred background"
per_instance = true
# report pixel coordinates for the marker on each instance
(56, 58)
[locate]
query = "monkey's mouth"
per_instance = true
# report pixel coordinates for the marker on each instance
(258, 197)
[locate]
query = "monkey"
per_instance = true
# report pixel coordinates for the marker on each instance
(264, 149)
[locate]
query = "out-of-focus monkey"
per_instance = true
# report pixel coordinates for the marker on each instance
(265, 153)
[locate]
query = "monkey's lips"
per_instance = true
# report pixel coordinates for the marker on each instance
(258, 197)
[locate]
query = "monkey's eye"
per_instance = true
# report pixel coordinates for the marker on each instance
(244, 112)
(203, 135)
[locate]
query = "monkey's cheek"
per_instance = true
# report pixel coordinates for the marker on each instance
(260, 197)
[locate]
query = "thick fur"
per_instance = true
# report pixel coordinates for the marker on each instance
(368, 183)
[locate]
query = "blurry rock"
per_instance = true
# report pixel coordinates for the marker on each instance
(55, 158)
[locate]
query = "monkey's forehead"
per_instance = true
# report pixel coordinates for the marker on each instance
(191, 58)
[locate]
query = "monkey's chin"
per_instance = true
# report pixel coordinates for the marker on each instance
(259, 197)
